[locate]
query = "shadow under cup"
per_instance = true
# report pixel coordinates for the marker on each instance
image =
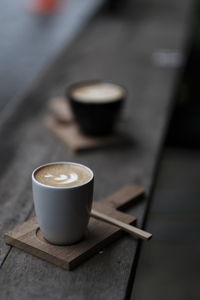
(97, 113)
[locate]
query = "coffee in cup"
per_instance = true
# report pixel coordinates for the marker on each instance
(62, 194)
(96, 105)
(62, 175)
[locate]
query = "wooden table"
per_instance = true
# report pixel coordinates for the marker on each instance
(135, 48)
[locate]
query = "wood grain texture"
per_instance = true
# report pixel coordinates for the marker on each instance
(28, 237)
(118, 48)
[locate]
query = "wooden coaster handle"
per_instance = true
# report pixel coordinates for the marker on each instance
(128, 228)
(125, 196)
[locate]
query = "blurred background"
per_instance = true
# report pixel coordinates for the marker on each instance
(33, 33)
(169, 267)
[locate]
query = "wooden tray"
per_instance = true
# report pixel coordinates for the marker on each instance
(29, 238)
(61, 122)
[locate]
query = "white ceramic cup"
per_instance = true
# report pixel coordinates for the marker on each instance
(63, 212)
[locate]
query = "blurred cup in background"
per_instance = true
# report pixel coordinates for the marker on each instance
(96, 105)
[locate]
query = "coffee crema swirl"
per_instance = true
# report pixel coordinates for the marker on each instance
(61, 175)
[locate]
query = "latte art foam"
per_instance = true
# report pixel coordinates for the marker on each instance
(60, 175)
(63, 179)
(98, 92)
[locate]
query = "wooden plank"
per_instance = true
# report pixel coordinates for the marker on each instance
(28, 237)
(116, 48)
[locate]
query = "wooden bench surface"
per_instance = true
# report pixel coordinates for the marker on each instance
(124, 48)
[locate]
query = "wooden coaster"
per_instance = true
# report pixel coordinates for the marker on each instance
(61, 110)
(62, 124)
(29, 238)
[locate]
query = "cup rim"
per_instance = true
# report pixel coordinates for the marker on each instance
(71, 86)
(61, 187)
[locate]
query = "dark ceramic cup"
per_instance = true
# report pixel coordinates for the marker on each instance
(96, 105)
